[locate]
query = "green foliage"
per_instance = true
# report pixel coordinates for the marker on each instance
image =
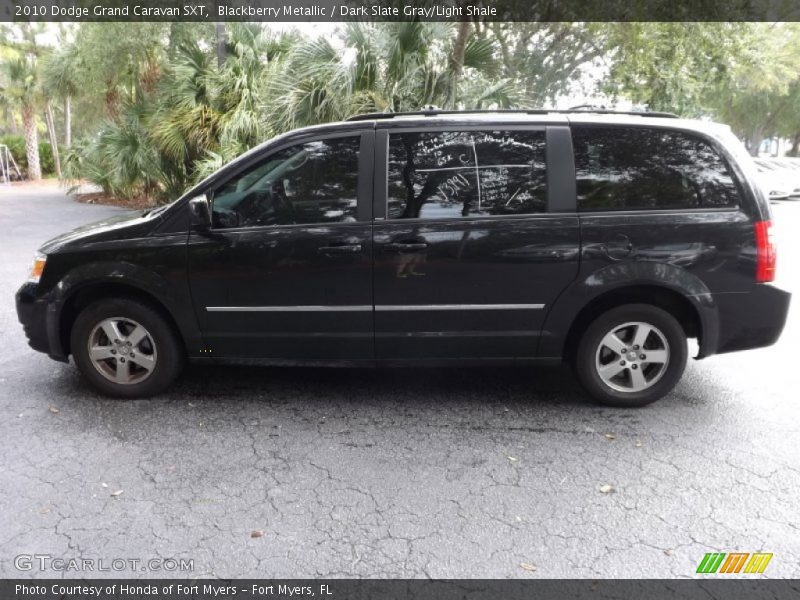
(121, 159)
(46, 161)
(20, 86)
(19, 80)
(743, 74)
(671, 66)
(761, 97)
(60, 72)
(541, 61)
(382, 67)
(154, 111)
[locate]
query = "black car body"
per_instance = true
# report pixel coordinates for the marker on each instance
(437, 239)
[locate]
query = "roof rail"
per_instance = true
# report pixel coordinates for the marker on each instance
(524, 111)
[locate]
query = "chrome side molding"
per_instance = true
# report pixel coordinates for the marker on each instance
(379, 307)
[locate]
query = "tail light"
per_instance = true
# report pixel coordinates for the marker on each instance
(766, 253)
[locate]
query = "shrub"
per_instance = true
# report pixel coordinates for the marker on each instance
(46, 160)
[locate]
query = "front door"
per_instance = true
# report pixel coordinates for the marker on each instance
(285, 271)
(468, 259)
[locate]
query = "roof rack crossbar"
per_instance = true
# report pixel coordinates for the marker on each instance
(523, 111)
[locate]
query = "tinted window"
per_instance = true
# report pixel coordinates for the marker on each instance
(625, 168)
(454, 174)
(315, 182)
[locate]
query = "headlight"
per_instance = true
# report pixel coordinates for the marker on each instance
(38, 268)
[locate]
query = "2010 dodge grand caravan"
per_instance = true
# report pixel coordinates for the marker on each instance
(605, 240)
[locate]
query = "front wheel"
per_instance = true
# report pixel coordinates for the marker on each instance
(125, 348)
(631, 355)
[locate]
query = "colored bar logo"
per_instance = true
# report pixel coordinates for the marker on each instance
(734, 562)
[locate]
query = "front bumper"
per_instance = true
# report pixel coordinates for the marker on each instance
(751, 320)
(39, 319)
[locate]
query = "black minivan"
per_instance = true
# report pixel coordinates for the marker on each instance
(432, 238)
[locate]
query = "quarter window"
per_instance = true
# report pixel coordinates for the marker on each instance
(453, 174)
(315, 182)
(639, 168)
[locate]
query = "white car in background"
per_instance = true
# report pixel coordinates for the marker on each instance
(790, 166)
(779, 182)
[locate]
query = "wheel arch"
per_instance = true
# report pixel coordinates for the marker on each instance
(668, 299)
(84, 295)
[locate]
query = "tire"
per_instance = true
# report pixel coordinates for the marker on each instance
(599, 358)
(145, 358)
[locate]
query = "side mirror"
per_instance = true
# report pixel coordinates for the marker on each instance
(200, 209)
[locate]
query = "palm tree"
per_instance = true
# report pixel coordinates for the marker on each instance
(60, 75)
(384, 67)
(199, 114)
(231, 97)
(187, 121)
(20, 88)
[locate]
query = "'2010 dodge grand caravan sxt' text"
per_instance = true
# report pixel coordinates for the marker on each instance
(605, 240)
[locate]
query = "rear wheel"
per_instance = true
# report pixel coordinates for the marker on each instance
(125, 348)
(631, 355)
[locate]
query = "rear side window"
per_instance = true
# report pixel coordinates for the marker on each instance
(640, 168)
(453, 174)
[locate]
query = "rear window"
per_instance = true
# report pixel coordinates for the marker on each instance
(454, 174)
(640, 168)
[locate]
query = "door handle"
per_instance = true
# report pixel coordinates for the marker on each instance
(340, 249)
(405, 246)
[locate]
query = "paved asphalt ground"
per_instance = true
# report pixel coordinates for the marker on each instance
(392, 473)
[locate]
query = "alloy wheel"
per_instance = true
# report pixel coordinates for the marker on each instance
(122, 350)
(632, 357)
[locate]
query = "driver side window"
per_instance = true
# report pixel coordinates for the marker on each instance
(311, 183)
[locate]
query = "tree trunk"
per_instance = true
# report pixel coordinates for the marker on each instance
(457, 62)
(68, 122)
(31, 143)
(51, 132)
(222, 44)
(112, 99)
(754, 142)
(795, 150)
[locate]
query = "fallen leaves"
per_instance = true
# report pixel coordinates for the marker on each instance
(610, 436)
(527, 566)
(256, 533)
(117, 493)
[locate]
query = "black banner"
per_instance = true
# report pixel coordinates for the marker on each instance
(418, 589)
(398, 10)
